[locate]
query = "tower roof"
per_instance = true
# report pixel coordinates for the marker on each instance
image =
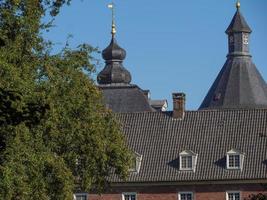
(114, 80)
(238, 24)
(239, 84)
(114, 72)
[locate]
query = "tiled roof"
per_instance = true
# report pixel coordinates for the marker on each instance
(238, 85)
(125, 98)
(238, 24)
(159, 139)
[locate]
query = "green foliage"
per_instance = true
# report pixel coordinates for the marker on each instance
(55, 134)
(259, 196)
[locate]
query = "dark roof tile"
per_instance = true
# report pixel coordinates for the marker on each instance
(159, 139)
(123, 98)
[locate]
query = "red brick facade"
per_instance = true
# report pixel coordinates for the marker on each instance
(201, 192)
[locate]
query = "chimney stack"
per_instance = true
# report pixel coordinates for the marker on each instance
(178, 105)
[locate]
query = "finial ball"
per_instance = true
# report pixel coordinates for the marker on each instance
(238, 4)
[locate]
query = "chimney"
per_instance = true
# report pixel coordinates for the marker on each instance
(178, 105)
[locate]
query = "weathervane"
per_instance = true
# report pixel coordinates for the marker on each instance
(238, 4)
(113, 28)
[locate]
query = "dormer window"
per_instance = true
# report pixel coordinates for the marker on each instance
(136, 162)
(188, 160)
(234, 159)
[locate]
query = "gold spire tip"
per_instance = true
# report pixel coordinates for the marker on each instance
(113, 27)
(238, 4)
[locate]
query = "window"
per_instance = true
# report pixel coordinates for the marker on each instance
(232, 195)
(186, 196)
(129, 196)
(81, 196)
(188, 160)
(136, 162)
(245, 39)
(234, 159)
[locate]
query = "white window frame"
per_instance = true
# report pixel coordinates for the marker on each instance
(188, 153)
(234, 152)
(245, 39)
(232, 192)
(192, 193)
(80, 193)
(138, 160)
(129, 193)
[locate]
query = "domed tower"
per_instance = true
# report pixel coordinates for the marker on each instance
(239, 84)
(115, 80)
(114, 72)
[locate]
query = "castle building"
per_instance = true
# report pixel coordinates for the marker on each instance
(217, 152)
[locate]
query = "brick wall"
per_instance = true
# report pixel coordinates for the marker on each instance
(201, 192)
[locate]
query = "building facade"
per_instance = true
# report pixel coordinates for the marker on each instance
(217, 152)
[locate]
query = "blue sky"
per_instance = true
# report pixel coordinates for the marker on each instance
(172, 45)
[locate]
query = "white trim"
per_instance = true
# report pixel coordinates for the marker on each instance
(186, 192)
(128, 193)
(80, 193)
(138, 160)
(234, 152)
(229, 192)
(188, 153)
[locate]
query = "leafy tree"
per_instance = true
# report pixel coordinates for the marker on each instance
(55, 134)
(259, 196)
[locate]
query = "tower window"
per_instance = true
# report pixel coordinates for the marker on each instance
(245, 39)
(231, 39)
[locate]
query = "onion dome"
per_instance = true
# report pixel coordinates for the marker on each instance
(114, 51)
(114, 72)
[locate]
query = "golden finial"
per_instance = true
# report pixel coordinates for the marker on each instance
(113, 27)
(238, 4)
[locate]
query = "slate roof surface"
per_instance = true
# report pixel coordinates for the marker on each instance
(114, 71)
(238, 24)
(211, 133)
(125, 98)
(238, 85)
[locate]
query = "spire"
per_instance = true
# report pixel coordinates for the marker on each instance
(239, 85)
(238, 23)
(238, 34)
(114, 72)
(113, 26)
(238, 4)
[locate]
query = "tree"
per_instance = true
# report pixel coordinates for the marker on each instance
(259, 196)
(55, 134)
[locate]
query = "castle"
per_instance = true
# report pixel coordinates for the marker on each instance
(216, 152)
